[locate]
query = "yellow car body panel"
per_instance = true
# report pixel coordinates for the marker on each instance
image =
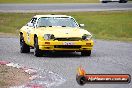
(50, 46)
(59, 32)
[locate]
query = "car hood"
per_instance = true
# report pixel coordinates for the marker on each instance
(62, 32)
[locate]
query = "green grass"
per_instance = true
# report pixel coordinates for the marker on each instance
(49, 1)
(103, 25)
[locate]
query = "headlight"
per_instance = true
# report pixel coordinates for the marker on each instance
(86, 37)
(48, 36)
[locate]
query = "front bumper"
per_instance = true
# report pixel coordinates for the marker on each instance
(66, 45)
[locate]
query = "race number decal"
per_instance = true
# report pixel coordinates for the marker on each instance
(28, 36)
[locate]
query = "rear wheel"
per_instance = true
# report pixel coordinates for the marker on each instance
(24, 48)
(37, 51)
(86, 53)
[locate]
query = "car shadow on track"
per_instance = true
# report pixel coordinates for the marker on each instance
(61, 54)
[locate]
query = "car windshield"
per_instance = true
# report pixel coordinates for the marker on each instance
(57, 21)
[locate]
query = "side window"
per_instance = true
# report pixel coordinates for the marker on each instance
(32, 22)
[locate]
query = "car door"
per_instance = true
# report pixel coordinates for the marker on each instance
(30, 31)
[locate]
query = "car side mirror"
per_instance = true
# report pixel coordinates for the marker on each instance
(30, 24)
(81, 25)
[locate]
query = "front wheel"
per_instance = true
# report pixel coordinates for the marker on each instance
(37, 51)
(86, 53)
(24, 48)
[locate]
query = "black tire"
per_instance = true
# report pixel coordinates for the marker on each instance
(81, 80)
(37, 51)
(86, 53)
(24, 48)
(104, 1)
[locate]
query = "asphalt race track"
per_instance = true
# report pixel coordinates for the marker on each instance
(64, 7)
(112, 57)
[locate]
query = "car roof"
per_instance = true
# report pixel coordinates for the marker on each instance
(38, 16)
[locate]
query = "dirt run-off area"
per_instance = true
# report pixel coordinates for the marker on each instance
(10, 76)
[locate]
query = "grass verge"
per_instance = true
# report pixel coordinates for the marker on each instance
(103, 25)
(49, 1)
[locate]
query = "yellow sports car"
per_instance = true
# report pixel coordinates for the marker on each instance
(47, 33)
